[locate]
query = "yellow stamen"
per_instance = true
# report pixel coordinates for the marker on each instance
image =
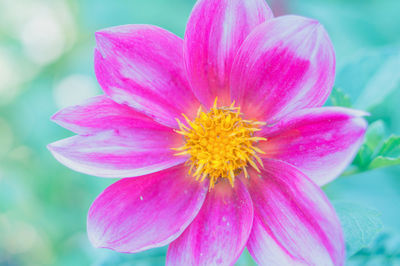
(220, 143)
(245, 172)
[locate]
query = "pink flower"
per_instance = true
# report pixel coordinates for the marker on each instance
(220, 138)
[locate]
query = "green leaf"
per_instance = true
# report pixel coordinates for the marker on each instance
(363, 157)
(385, 250)
(375, 134)
(373, 139)
(339, 98)
(391, 147)
(360, 225)
(375, 152)
(388, 155)
(381, 161)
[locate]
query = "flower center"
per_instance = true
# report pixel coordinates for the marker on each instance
(220, 143)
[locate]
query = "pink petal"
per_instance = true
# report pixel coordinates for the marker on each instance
(294, 223)
(142, 66)
(285, 64)
(214, 33)
(219, 233)
(120, 152)
(101, 113)
(321, 142)
(135, 214)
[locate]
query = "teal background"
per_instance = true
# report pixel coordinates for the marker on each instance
(46, 63)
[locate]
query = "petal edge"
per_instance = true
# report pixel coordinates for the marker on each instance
(214, 33)
(135, 214)
(294, 223)
(285, 64)
(321, 142)
(218, 235)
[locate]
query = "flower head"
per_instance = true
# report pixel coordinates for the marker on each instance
(220, 139)
(220, 143)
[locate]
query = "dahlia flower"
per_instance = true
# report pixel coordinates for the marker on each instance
(220, 139)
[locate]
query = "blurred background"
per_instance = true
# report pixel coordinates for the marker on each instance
(46, 63)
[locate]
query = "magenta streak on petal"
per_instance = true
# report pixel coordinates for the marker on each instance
(285, 64)
(219, 233)
(214, 33)
(122, 152)
(321, 142)
(99, 114)
(136, 214)
(271, 75)
(294, 223)
(142, 66)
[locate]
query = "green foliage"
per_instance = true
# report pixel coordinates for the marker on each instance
(360, 225)
(373, 138)
(365, 82)
(389, 154)
(339, 98)
(377, 152)
(385, 250)
(375, 134)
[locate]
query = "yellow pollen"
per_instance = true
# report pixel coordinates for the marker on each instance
(220, 143)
